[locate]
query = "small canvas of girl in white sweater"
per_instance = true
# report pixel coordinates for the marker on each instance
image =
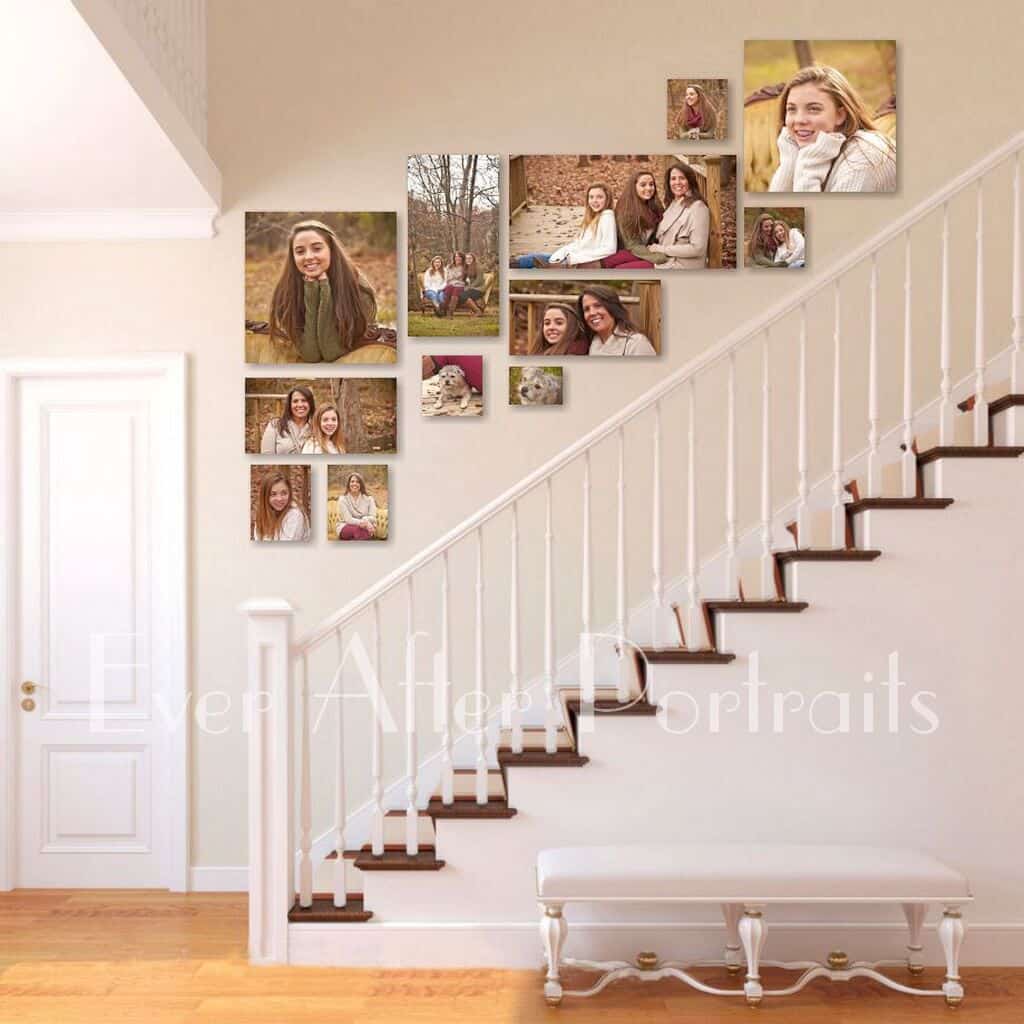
(597, 236)
(278, 516)
(789, 245)
(827, 140)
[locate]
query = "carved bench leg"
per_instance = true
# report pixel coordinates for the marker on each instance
(733, 950)
(915, 914)
(951, 935)
(751, 929)
(552, 932)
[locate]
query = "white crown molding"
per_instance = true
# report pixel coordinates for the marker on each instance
(105, 225)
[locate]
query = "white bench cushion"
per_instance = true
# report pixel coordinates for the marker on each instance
(747, 872)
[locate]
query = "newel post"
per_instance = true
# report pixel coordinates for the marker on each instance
(271, 778)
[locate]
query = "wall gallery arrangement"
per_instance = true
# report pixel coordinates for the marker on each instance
(322, 287)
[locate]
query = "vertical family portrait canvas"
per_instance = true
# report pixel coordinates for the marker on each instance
(536, 385)
(775, 237)
(320, 287)
(279, 503)
(452, 385)
(819, 115)
(698, 108)
(357, 502)
(637, 212)
(607, 317)
(322, 416)
(453, 258)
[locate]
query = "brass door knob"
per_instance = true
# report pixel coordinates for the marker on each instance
(28, 687)
(28, 704)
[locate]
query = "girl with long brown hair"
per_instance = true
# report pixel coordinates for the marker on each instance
(595, 240)
(278, 516)
(474, 290)
(287, 434)
(561, 332)
(325, 433)
(828, 142)
(322, 304)
(454, 282)
(433, 283)
(608, 326)
(637, 215)
(761, 244)
(700, 115)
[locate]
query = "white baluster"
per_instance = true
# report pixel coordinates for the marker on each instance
(731, 562)
(768, 589)
(586, 595)
(447, 760)
(980, 403)
(340, 811)
(412, 837)
(377, 748)
(515, 714)
(550, 732)
(481, 682)
(621, 682)
(657, 587)
(874, 481)
(1014, 424)
(803, 511)
(838, 508)
(693, 623)
(909, 460)
(305, 797)
(946, 411)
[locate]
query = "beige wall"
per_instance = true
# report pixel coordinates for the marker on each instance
(316, 105)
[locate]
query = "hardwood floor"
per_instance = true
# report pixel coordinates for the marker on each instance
(125, 957)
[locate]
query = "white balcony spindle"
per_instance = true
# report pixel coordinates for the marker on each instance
(515, 723)
(412, 837)
(586, 593)
(481, 680)
(909, 460)
(550, 730)
(621, 681)
(946, 410)
(657, 584)
(803, 511)
(980, 403)
(731, 559)
(377, 744)
(768, 589)
(447, 759)
(874, 475)
(305, 797)
(340, 809)
(693, 624)
(838, 516)
(1014, 424)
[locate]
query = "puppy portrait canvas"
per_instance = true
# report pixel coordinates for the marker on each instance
(452, 386)
(535, 385)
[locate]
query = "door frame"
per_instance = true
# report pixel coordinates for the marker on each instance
(169, 368)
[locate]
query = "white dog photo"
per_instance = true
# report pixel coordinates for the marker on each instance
(535, 385)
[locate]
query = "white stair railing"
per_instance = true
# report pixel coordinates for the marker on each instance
(274, 662)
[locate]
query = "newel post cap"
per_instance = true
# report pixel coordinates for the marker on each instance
(266, 606)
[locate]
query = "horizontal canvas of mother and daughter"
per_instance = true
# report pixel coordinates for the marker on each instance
(637, 213)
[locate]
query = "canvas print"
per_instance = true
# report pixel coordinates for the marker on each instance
(698, 108)
(535, 385)
(453, 385)
(357, 502)
(453, 245)
(774, 237)
(584, 318)
(279, 503)
(623, 212)
(322, 416)
(320, 287)
(819, 115)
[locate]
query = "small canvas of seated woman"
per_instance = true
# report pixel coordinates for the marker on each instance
(459, 283)
(595, 239)
(357, 511)
(323, 307)
(773, 243)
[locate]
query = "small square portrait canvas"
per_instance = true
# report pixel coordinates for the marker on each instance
(320, 287)
(279, 503)
(357, 502)
(535, 385)
(698, 108)
(774, 237)
(819, 115)
(453, 385)
(320, 416)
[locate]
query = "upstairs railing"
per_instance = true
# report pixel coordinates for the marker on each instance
(716, 376)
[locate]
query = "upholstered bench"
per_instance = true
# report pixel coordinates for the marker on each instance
(744, 878)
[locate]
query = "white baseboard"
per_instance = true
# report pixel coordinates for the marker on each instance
(104, 225)
(516, 944)
(218, 879)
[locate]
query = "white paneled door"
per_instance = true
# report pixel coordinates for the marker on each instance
(95, 615)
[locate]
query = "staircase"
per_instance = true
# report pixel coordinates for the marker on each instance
(840, 667)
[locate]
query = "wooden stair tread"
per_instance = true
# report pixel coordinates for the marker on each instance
(684, 656)
(464, 785)
(970, 452)
(995, 405)
(827, 555)
(399, 860)
(469, 809)
(324, 911)
(534, 739)
(866, 504)
(735, 605)
(541, 759)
